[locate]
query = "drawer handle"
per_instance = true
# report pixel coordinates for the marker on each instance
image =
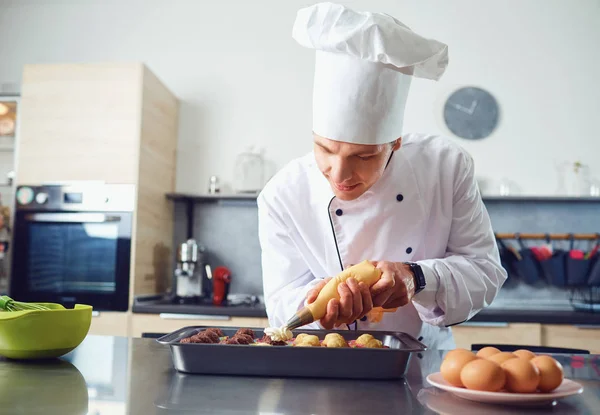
(173, 316)
(588, 326)
(484, 324)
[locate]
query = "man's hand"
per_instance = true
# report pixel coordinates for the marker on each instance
(395, 288)
(354, 303)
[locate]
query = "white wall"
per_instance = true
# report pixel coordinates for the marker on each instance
(243, 80)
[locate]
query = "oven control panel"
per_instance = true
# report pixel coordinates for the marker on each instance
(76, 197)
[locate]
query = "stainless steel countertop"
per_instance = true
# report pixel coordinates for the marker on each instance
(116, 375)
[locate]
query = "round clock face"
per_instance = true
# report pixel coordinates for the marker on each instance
(471, 113)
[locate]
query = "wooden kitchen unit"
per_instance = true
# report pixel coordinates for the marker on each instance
(531, 334)
(578, 337)
(467, 334)
(115, 123)
(111, 324)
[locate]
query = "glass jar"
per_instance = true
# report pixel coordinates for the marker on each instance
(249, 171)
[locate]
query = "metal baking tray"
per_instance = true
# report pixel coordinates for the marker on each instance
(288, 361)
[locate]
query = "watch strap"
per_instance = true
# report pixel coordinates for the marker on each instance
(419, 276)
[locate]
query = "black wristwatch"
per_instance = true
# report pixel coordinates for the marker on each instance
(419, 277)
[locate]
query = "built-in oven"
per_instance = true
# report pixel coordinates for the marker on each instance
(72, 244)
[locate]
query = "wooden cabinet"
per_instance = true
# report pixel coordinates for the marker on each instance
(134, 324)
(467, 334)
(577, 337)
(80, 122)
(530, 334)
(166, 323)
(111, 324)
(113, 123)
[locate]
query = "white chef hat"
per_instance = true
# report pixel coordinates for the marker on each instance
(364, 65)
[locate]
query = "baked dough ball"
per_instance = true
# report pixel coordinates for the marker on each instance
(364, 339)
(309, 341)
(299, 338)
(373, 344)
(368, 341)
(334, 340)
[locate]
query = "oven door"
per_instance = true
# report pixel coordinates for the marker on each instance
(72, 257)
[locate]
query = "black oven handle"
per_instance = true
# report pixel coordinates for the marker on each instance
(71, 217)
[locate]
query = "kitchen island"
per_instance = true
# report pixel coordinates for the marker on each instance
(118, 375)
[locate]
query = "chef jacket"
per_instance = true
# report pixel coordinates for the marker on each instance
(426, 208)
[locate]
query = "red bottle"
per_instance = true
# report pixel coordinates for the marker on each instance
(221, 280)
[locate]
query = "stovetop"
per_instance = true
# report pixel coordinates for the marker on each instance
(242, 305)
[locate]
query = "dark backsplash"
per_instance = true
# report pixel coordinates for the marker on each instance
(229, 231)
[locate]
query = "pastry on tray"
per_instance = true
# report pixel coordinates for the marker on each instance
(309, 341)
(248, 332)
(299, 338)
(369, 342)
(281, 337)
(334, 340)
(266, 339)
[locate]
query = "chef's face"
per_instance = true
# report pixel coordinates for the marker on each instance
(352, 169)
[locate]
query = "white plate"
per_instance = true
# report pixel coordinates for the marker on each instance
(567, 388)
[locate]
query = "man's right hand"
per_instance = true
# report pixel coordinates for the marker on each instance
(354, 303)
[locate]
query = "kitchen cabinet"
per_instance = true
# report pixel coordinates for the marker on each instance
(110, 324)
(531, 334)
(166, 323)
(113, 123)
(578, 337)
(470, 333)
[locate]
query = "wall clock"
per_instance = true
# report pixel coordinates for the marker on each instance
(471, 113)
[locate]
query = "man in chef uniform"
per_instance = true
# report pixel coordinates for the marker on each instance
(407, 202)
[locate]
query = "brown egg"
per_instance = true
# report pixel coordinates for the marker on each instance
(521, 375)
(501, 357)
(524, 354)
(551, 373)
(453, 364)
(487, 352)
(483, 375)
(457, 352)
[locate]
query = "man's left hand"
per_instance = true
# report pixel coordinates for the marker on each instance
(396, 286)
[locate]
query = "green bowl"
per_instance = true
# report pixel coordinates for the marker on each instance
(43, 334)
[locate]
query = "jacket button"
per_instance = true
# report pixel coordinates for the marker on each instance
(339, 212)
(408, 250)
(399, 198)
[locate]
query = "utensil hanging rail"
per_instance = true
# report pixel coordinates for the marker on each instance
(553, 236)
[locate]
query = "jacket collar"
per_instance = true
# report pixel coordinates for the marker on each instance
(396, 176)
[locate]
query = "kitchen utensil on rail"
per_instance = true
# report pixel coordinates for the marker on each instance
(364, 272)
(528, 266)
(42, 334)
(508, 256)
(553, 264)
(577, 265)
